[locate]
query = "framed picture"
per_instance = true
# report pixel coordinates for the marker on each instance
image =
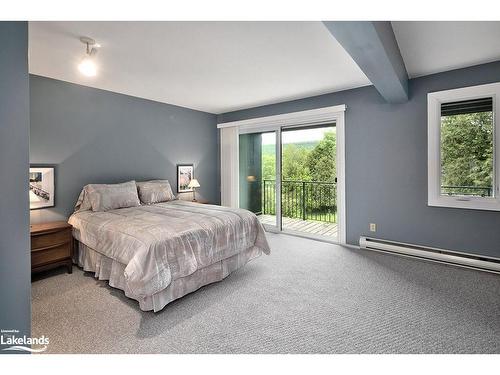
(41, 187)
(185, 173)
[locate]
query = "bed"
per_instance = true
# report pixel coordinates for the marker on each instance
(159, 252)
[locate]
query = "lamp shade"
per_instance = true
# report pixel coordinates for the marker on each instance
(194, 183)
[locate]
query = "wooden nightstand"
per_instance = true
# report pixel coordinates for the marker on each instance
(51, 246)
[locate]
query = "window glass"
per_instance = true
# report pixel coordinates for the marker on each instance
(466, 147)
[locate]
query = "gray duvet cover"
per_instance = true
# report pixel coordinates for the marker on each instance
(162, 242)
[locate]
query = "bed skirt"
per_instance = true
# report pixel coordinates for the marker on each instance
(108, 269)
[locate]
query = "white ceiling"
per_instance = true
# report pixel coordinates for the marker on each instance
(210, 66)
(225, 66)
(431, 47)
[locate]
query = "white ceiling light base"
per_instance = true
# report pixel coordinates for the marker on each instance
(87, 40)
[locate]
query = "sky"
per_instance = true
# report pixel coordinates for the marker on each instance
(296, 136)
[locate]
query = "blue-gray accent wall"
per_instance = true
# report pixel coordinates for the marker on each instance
(97, 136)
(386, 165)
(15, 280)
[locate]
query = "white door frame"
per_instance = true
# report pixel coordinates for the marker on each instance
(315, 116)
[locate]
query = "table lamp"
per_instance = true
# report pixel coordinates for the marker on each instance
(193, 185)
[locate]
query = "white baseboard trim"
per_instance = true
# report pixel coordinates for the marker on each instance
(450, 257)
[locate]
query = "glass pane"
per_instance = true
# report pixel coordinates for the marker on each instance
(258, 175)
(467, 149)
(308, 188)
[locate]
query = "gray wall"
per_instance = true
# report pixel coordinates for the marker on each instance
(96, 136)
(15, 274)
(386, 165)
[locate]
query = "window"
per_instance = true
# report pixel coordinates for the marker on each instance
(462, 149)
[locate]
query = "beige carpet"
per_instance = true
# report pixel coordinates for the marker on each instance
(307, 297)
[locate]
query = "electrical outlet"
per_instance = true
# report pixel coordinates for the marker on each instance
(373, 227)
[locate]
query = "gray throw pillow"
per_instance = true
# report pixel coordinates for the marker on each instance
(105, 197)
(155, 191)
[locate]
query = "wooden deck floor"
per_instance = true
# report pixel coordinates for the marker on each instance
(317, 228)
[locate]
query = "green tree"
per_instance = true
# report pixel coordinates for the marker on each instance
(321, 161)
(467, 150)
(294, 163)
(268, 166)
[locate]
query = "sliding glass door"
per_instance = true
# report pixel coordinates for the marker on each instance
(288, 178)
(308, 186)
(257, 179)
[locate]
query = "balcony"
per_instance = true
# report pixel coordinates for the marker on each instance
(307, 206)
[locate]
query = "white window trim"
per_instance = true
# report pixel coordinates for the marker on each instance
(434, 101)
(313, 116)
(318, 115)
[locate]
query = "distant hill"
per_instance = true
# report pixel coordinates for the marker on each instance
(269, 149)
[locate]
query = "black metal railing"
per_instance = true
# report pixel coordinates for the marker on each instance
(478, 191)
(306, 200)
(315, 200)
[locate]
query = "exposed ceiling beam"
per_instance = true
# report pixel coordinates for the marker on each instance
(373, 46)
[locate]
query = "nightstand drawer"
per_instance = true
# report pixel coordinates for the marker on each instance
(50, 239)
(56, 253)
(51, 246)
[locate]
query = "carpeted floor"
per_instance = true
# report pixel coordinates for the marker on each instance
(307, 297)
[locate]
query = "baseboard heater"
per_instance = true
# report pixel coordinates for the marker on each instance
(455, 258)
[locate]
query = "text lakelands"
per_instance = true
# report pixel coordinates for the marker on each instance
(24, 340)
